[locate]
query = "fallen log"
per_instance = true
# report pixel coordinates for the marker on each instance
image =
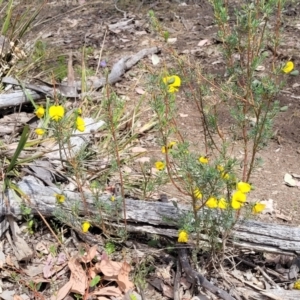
(37, 92)
(149, 217)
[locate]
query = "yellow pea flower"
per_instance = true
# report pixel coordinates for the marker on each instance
(112, 198)
(60, 198)
(203, 160)
(258, 207)
(239, 197)
(223, 204)
(297, 285)
(183, 236)
(173, 82)
(212, 202)
(197, 194)
(85, 226)
(80, 124)
(288, 67)
(236, 204)
(159, 165)
(56, 112)
(220, 168)
(243, 187)
(39, 131)
(164, 149)
(40, 111)
(225, 175)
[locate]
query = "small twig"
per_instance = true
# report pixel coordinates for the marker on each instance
(118, 9)
(49, 227)
(101, 50)
(267, 277)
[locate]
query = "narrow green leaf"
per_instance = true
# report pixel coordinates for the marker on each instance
(22, 142)
(6, 23)
(24, 26)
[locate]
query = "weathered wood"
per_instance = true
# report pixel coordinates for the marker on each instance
(275, 294)
(152, 217)
(40, 91)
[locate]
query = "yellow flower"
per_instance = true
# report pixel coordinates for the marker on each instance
(39, 131)
(40, 112)
(258, 207)
(222, 203)
(173, 82)
(239, 197)
(169, 146)
(80, 125)
(197, 193)
(159, 165)
(243, 187)
(236, 204)
(220, 168)
(112, 198)
(297, 285)
(225, 175)
(85, 226)
(212, 202)
(56, 112)
(60, 198)
(288, 67)
(203, 160)
(183, 236)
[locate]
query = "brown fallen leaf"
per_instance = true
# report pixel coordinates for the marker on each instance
(168, 291)
(78, 276)
(138, 150)
(123, 278)
(203, 42)
(63, 291)
(108, 291)
(21, 249)
(110, 268)
(92, 253)
(140, 91)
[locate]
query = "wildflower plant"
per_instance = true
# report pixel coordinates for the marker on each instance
(218, 192)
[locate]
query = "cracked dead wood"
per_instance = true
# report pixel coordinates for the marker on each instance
(93, 83)
(151, 217)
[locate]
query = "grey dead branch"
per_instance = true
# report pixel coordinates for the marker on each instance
(151, 217)
(39, 91)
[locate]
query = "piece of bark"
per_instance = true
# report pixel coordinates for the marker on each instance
(40, 91)
(152, 217)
